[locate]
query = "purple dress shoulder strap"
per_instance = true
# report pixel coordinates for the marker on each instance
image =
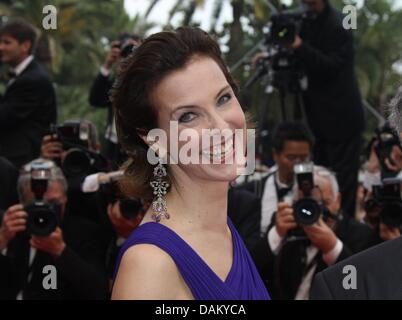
(243, 281)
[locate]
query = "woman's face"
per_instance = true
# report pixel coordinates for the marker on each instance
(200, 102)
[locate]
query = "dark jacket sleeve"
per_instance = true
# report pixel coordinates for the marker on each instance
(8, 187)
(245, 211)
(99, 94)
(23, 100)
(7, 277)
(264, 260)
(320, 290)
(84, 276)
(82, 263)
(345, 253)
(331, 62)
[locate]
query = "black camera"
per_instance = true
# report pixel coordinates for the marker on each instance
(283, 70)
(126, 47)
(387, 138)
(306, 210)
(386, 204)
(129, 207)
(43, 217)
(74, 136)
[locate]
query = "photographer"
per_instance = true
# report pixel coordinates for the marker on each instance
(292, 252)
(99, 94)
(378, 276)
(39, 232)
(74, 146)
(323, 50)
(384, 163)
(291, 144)
(123, 214)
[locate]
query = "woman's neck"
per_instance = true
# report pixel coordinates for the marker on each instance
(198, 204)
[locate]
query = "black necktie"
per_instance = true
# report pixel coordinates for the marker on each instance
(283, 192)
(11, 74)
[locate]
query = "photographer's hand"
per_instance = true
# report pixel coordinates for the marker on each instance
(112, 56)
(122, 226)
(373, 163)
(14, 221)
(321, 236)
(396, 157)
(297, 43)
(257, 57)
(388, 233)
(284, 220)
(53, 244)
(51, 148)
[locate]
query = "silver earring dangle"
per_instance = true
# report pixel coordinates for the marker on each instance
(160, 187)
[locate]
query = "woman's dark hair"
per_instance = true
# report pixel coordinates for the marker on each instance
(158, 56)
(290, 131)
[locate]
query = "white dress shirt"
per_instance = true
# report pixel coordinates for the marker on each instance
(275, 242)
(269, 202)
(20, 68)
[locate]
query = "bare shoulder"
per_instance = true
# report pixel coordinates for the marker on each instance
(148, 272)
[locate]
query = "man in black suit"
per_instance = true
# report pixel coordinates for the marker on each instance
(28, 106)
(375, 273)
(74, 248)
(287, 262)
(324, 49)
(8, 185)
(244, 209)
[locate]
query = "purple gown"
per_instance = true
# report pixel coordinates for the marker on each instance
(242, 283)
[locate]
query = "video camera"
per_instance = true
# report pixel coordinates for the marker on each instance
(75, 138)
(284, 26)
(386, 204)
(280, 63)
(43, 217)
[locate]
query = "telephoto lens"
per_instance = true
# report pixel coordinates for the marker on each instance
(43, 218)
(76, 162)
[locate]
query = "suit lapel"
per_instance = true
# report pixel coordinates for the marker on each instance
(13, 80)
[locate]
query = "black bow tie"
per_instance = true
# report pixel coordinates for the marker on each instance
(11, 74)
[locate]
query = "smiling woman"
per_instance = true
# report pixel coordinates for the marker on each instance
(195, 252)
